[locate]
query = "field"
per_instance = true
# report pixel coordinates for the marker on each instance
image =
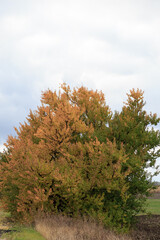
(61, 228)
(153, 206)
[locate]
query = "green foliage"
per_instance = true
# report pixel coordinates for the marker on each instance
(75, 156)
(132, 127)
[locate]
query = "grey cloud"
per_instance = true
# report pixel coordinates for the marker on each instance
(112, 46)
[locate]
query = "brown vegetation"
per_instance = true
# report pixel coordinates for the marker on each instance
(57, 227)
(157, 190)
(155, 193)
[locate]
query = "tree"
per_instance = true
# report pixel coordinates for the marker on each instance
(74, 156)
(134, 128)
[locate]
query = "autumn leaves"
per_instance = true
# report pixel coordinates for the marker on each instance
(73, 155)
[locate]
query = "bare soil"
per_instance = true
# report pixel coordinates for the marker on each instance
(147, 228)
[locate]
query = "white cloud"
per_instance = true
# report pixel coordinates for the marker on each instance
(2, 148)
(112, 46)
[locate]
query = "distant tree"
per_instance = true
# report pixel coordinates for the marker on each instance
(74, 156)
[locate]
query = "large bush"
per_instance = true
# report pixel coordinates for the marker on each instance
(74, 156)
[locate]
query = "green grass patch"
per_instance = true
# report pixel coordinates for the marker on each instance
(17, 232)
(153, 206)
(23, 233)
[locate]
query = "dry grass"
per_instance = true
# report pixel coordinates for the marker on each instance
(58, 227)
(155, 193)
(157, 190)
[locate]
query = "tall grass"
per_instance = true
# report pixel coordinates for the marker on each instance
(57, 227)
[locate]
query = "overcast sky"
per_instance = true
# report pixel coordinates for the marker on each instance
(108, 45)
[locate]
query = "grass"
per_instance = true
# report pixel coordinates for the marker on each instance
(57, 227)
(63, 228)
(153, 206)
(16, 232)
(3, 216)
(22, 233)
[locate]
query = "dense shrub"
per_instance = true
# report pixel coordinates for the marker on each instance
(74, 156)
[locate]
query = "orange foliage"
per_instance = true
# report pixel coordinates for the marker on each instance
(70, 156)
